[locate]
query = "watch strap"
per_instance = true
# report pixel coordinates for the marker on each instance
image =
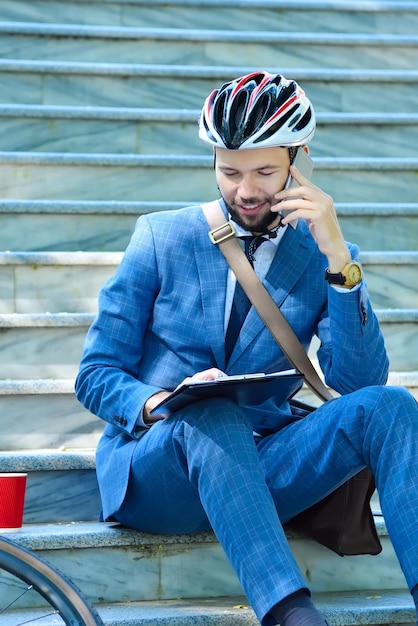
(334, 279)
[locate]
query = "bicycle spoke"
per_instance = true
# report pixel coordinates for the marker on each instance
(13, 602)
(36, 619)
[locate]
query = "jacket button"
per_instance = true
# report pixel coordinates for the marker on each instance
(120, 420)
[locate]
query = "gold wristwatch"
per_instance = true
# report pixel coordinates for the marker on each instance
(349, 276)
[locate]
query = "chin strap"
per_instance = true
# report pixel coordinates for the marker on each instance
(272, 234)
(292, 153)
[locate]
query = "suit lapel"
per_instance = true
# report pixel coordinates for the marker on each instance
(293, 255)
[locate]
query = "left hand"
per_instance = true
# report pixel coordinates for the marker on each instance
(210, 374)
(309, 202)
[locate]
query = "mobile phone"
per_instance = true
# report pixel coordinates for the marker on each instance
(304, 164)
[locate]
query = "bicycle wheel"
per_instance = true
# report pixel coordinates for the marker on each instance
(28, 573)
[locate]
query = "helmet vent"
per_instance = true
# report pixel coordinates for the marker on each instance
(283, 94)
(304, 121)
(259, 114)
(277, 125)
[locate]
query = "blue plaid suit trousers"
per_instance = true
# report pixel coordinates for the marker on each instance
(201, 469)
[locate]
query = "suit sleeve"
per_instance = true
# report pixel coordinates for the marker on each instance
(352, 352)
(107, 383)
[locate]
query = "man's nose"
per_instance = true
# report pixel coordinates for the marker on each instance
(247, 188)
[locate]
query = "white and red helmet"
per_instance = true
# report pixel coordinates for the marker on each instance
(257, 111)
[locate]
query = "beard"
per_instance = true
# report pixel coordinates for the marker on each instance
(257, 224)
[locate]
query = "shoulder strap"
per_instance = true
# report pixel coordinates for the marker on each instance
(222, 234)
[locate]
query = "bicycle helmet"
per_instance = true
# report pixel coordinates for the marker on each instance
(257, 111)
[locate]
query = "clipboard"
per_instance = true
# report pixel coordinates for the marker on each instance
(244, 389)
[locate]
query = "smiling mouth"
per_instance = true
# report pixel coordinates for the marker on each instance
(251, 208)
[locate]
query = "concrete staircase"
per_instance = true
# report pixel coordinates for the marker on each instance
(98, 105)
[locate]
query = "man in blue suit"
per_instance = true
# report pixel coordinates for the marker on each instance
(163, 318)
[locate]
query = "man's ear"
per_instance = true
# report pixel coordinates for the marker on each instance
(306, 148)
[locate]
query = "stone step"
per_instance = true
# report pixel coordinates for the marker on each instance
(104, 44)
(61, 485)
(55, 282)
(186, 86)
(42, 128)
(36, 346)
(67, 225)
(340, 134)
(392, 278)
(119, 177)
(379, 226)
(399, 328)
(190, 566)
(194, 566)
(343, 609)
(291, 15)
(41, 346)
(63, 423)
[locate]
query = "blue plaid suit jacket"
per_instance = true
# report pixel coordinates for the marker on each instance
(161, 318)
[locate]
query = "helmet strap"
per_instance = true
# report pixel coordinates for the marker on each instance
(292, 153)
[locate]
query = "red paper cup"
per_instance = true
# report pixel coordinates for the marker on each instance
(12, 500)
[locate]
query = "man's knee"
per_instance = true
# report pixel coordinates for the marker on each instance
(395, 397)
(389, 404)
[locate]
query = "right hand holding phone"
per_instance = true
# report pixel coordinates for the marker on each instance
(309, 202)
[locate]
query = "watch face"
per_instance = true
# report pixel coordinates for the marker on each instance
(354, 274)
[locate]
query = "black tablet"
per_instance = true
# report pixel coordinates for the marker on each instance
(245, 390)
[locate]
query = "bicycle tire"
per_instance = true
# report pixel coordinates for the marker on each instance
(56, 588)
